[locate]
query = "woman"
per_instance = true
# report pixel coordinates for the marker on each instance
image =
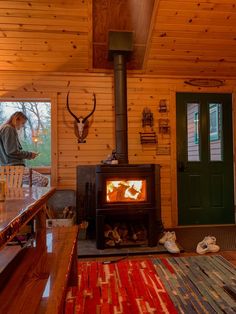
(11, 153)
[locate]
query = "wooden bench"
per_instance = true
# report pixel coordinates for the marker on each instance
(35, 279)
(36, 282)
(63, 269)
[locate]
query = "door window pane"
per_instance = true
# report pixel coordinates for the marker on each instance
(215, 132)
(193, 124)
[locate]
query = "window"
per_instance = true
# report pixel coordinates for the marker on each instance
(215, 132)
(214, 122)
(36, 134)
(193, 124)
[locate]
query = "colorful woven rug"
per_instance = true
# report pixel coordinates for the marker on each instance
(199, 284)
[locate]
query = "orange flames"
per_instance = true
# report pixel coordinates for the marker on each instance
(126, 190)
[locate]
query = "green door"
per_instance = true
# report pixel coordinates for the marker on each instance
(204, 159)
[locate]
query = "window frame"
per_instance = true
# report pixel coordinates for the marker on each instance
(39, 97)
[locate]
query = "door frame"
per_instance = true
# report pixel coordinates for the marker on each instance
(52, 98)
(174, 192)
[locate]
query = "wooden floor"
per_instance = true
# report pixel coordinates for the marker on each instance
(229, 255)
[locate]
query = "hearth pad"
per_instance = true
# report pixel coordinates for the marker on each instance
(87, 248)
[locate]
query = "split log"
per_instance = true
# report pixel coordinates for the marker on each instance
(112, 236)
(138, 232)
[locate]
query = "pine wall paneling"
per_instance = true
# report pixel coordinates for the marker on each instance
(143, 91)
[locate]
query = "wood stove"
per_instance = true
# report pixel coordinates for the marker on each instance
(124, 191)
(128, 192)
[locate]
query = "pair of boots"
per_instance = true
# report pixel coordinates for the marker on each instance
(169, 241)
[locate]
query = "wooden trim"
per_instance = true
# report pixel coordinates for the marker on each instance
(43, 170)
(150, 34)
(174, 195)
(90, 34)
(54, 141)
(234, 137)
(229, 81)
(25, 96)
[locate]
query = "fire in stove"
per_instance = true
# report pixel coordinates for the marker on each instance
(126, 191)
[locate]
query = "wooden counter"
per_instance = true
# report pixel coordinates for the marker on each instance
(34, 279)
(21, 206)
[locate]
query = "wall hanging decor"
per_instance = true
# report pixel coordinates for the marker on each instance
(163, 126)
(163, 149)
(205, 82)
(162, 106)
(81, 124)
(147, 119)
(148, 136)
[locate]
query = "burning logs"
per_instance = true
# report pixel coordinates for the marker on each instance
(122, 234)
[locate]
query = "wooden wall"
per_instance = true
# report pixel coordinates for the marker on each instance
(143, 91)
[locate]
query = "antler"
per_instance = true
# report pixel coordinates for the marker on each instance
(94, 107)
(73, 115)
(67, 105)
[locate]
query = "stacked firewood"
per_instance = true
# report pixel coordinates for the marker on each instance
(123, 233)
(138, 232)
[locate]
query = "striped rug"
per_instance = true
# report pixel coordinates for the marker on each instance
(199, 284)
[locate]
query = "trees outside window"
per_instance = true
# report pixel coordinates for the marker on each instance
(36, 134)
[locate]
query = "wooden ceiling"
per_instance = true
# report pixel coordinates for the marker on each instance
(121, 15)
(188, 38)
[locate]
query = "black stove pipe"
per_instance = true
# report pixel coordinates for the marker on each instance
(121, 121)
(120, 46)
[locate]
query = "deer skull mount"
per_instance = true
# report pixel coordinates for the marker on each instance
(81, 125)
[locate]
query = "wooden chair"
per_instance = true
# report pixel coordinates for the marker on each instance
(12, 175)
